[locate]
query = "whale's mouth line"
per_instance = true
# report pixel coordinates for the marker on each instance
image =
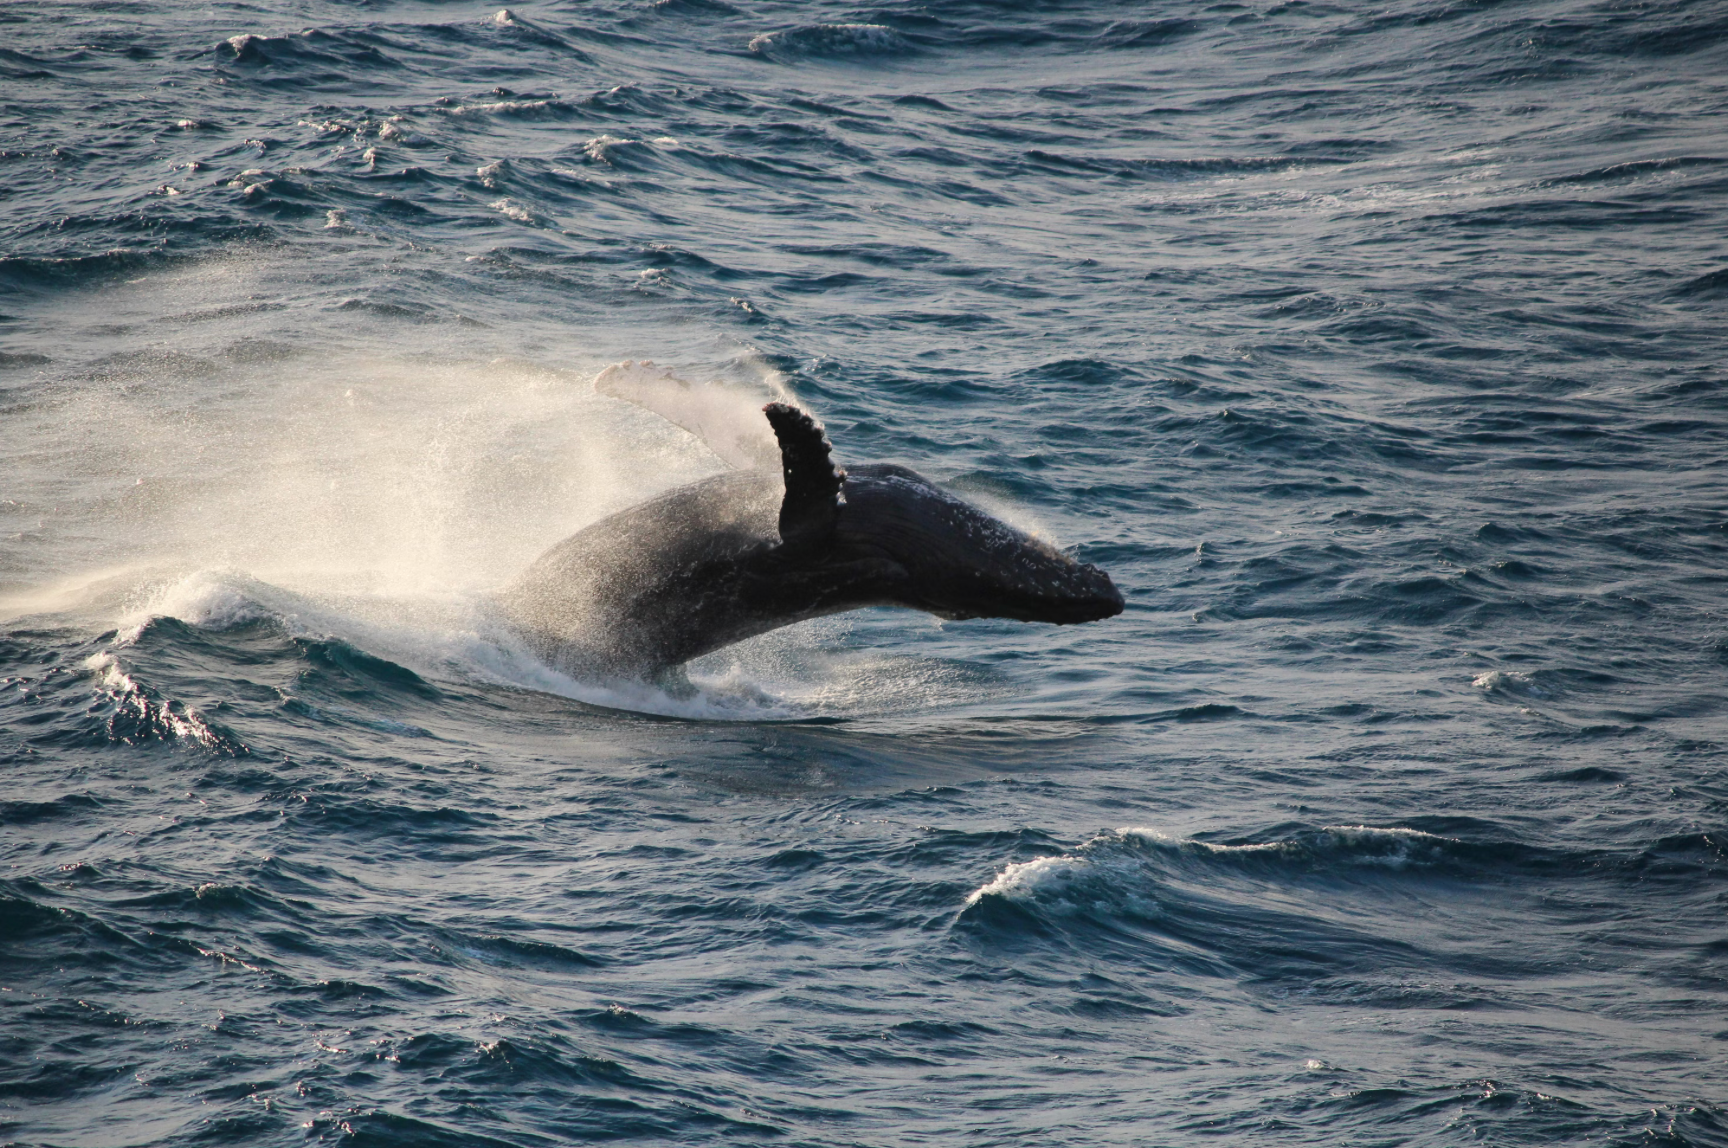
(1052, 613)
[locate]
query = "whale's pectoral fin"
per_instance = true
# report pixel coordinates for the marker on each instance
(811, 507)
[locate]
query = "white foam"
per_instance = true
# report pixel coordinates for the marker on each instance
(599, 149)
(1508, 682)
(211, 599)
(830, 39)
(458, 636)
(129, 699)
(491, 107)
(512, 208)
(381, 497)
(1391, 847)
(1027, 878)
(490, 653)
(1113, 871)
(1158, 837)
(1098, 878)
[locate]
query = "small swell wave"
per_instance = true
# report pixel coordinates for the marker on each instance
(1635, 168)
(1174, 169)
(370, 671)
(1509, 683)
(1121, 869)
(841, 40)
(312, 48)
(532, 34)
(1711, 285)
(1160, 901)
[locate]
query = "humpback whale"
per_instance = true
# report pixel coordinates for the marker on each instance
(640, 593)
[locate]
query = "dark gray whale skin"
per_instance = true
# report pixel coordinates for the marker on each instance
(724, 559)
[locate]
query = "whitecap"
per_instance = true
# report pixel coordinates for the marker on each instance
(1100, 878)
(830, 40)
(599, 149)
(495, 107)
(513, 209)
(1508, 682)
(1025, 879)
(1392, 847)
(148, 716)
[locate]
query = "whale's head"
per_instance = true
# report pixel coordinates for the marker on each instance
(959, 561)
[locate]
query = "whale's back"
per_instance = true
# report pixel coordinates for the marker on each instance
(597, 601)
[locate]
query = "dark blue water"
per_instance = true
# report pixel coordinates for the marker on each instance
(1377, 353)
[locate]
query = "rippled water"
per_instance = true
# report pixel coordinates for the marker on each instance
(1376, 353)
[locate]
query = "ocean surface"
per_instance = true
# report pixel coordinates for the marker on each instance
(1376, 350)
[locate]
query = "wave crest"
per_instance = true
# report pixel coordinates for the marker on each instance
(815, 40)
